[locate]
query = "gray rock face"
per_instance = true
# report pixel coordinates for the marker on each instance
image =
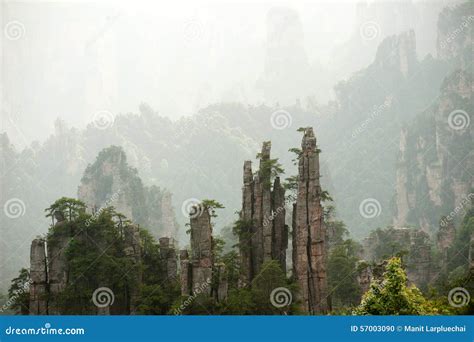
(390, 240)
(57, 265)
(186, 275)
(132, 250)
(264, 236)
(201, 247)
(445, 238)
(169, 258)
(39, 278)
(309, 251)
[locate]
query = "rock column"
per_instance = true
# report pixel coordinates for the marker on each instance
(38, 278)
(309, 252)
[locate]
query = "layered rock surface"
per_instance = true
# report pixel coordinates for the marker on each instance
(309, 250)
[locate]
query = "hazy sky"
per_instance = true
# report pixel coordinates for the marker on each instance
(71, 59)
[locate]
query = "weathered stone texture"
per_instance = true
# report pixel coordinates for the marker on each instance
(132, 250)
(169, 258)
(308, 231)
(201, 247)
(38, 278)
(265, 236)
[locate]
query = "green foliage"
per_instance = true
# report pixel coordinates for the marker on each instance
(156, 299)
(66, 208)
(19, 294)
(392, 296)
(342, 274)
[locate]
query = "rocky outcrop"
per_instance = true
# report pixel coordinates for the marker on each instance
(198, 270)
(57, 264)
(169, 258)
(110, 181)
(455, 31)
(434, 157)
(263, 235)
(38, 278)
(309, 250)
(398, 52)
(445, 238)
(415, 243)
(132, 249)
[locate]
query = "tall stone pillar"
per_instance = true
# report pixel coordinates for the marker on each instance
(309, 233)
(168, 259)
(280, 230)
(201, 248)
(245, 238)
(186, 273)
(265, 236)
(132, 249)
(57, 264)
(38, 278)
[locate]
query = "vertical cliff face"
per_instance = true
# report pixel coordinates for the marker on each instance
(398, 52)
(445, 238)
(309, 251)
(263, 234)
(435, 153)
(133, 251)
(455, 30)
(416, 243)
(57, 263)
(435, 156)
(39, 278)
(201, 249)
(110, 181)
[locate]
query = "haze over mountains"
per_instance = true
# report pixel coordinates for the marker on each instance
(206, 101)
